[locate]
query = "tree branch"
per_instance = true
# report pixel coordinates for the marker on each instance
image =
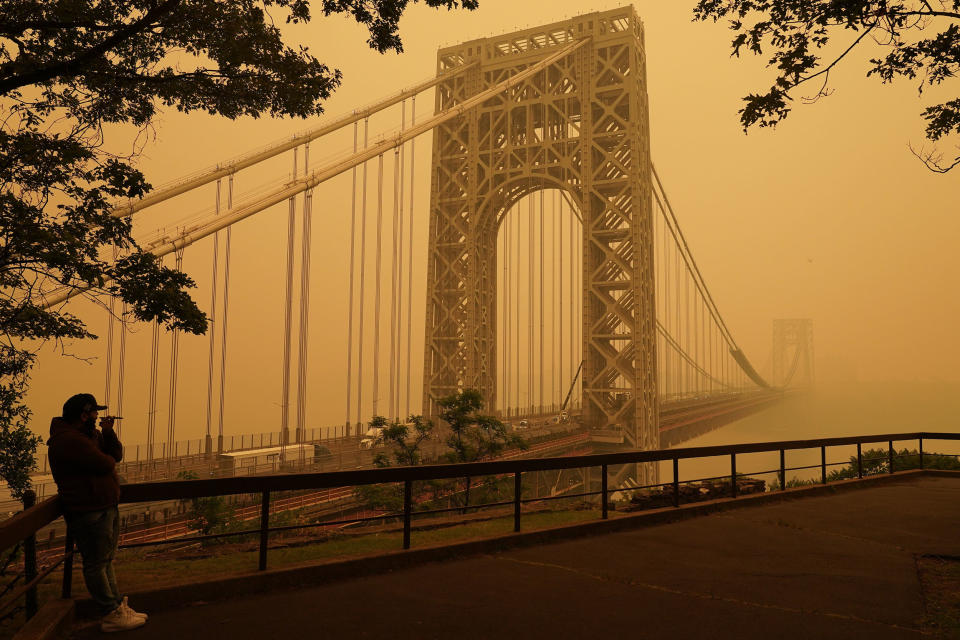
(74, 65)
(932, 160)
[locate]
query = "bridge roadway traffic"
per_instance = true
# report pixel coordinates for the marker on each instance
(841, 564)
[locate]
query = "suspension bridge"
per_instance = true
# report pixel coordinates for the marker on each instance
(554, 276)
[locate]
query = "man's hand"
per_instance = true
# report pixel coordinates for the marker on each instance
(106, 422)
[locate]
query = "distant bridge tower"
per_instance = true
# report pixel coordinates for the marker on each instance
(580, 125)
(793, 352)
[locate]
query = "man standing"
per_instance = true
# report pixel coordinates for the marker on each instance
(83, 461)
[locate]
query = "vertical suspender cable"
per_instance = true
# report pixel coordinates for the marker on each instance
(121, 366)
(558, 216)
(507, 304)
(710, 339)
(213, 321)
(574, 296)
(580, 287)
(152, 397)
(542, 262)
(393, 284)
(376, 299)
(558, 297)
(353, 246)
(413, 121)
(530, 309)
(303, 354)
(686, 312)
(678, 320)
(111, 319)
(363, 271)
(174, 362)
(288, 322)
(399, 313)
(508, 311)
(665, 269)
(515, 270)
(223, 322)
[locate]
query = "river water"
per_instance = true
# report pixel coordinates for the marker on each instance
(847, 410)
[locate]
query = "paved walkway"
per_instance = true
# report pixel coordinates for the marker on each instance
(839, 566)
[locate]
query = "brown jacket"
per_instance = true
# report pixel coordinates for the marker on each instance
(83, 465)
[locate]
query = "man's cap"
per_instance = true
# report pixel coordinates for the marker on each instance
(80, 403)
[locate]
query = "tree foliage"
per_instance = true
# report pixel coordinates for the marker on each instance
(403, 443)
(70, 68)
(877, 461)
(474, 436)
(918, 40)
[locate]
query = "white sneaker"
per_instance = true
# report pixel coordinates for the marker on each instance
(124, 605)
(120, 620)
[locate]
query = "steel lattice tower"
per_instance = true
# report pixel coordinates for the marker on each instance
(579, 125)
(793, 352)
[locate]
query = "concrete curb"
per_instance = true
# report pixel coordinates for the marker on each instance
(314, 574)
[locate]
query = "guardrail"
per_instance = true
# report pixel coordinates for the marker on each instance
(22, 528)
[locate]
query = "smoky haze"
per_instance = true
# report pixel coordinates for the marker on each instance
(828, 217)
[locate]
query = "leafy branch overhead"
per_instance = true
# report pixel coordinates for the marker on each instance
(70, 67)
(804, 40)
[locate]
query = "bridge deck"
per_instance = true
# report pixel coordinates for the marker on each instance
(838, 566)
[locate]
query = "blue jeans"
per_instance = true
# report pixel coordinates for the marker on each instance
(97, 534)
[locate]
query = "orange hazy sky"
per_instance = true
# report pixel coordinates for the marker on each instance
(828, 217)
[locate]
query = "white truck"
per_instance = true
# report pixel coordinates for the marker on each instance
(372, 438)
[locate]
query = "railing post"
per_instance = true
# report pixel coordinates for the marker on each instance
(783, 471)
(66, 589)
(407, 500)
(264, 528)
(733, 475)
(890, 456)
(823, 465)
(676, 482)
(859, 462)
(517, 496)
(921, 453)
(603, 491)
(30, 557)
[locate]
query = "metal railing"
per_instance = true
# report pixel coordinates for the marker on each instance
(22, 528)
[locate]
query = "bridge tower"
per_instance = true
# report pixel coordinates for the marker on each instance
(579, 125)
(793, 352)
